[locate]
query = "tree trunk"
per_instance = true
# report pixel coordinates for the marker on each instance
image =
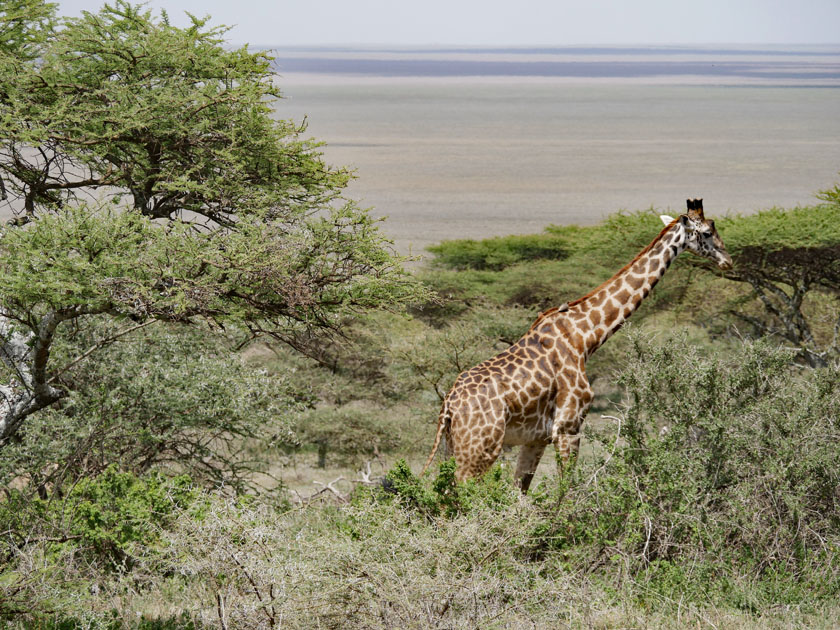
(322, 453)
(27, 355)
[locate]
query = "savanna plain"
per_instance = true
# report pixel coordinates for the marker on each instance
(203, 469)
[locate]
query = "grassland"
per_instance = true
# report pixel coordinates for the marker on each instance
(706, 494)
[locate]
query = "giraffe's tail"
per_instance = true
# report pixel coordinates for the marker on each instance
(443, 420)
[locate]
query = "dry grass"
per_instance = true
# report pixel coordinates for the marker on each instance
(318, 567)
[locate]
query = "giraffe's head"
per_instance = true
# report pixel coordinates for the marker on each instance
(701, 236)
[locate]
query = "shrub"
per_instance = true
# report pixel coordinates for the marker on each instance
(613, 241)
(721, 477)
(592, 254)
(500, 252)
(444, 496)
(349, 433)
(371, 564)
(107, 517)
(100, 527)
(165, 395)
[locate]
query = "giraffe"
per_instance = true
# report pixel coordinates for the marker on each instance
(536, 392)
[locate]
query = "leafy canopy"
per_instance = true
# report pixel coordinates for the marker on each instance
(150, 179)
(164, 116)
(259, 274)
(123, 107)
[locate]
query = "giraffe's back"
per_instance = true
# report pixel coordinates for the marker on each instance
(514, 392)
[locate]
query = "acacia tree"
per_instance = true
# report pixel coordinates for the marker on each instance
(788, 258)
(148, 179)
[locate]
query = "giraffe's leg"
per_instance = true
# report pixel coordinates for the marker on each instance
(566, 430)
(566, 445)
(526, 465)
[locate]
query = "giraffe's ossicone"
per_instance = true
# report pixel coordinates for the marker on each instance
(536, 392)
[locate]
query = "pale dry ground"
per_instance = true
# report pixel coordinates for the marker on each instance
(474, 157)
(477, 157)
(302, 476)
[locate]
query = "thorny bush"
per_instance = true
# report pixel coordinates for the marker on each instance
(722, 471)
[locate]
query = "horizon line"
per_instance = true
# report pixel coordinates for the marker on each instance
(422, 47)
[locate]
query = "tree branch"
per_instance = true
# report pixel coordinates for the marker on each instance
(97, 346)
(27, 355)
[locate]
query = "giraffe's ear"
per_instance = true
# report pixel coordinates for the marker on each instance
(666, 219)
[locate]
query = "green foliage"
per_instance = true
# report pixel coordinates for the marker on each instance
(718, 491)
(788, 258)
(74, 254)
(799, 246)
(106, 260)
(791, 261)
(161, 395)
(591, 255)
(24, 26)
(166, 115)
(101, 529)
(444, 496)
(809, 227)
(718, 487)
(217, 210)
(433, 359)
(719, 477)
(411, 490)
(498, 253)
(110, 518)
(615, 240)
(118, 512)
(830, 195)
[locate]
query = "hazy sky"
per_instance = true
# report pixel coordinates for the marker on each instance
(508, 22)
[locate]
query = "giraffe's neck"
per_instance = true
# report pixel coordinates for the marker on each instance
(602, 312)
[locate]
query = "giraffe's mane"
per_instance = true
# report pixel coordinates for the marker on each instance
(627, 266)
(541, 317)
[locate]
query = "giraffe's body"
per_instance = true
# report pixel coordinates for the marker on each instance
(536, 392)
